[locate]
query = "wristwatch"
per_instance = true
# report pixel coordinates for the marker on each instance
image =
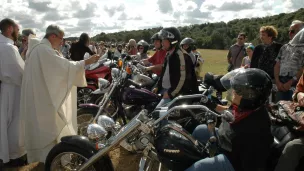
(295, 78)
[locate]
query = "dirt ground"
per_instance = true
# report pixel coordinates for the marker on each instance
(122, 161)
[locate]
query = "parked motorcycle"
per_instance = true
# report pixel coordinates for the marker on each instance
(100, 69)
(159, 141)
(284, 129)
(119, 100)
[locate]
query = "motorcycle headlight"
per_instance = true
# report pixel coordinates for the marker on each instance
(96, 131)
(114, 73)
(103, 83)
(106, 122)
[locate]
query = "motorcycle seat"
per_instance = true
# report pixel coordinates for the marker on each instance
(282, 136)
(215, 81)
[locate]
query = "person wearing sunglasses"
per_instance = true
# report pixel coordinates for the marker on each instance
(295, 27)
(24, 45)
(289, 66)
(236, 53)
(142, 48)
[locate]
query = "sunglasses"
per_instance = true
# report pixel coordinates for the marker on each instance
(240, 38)
(292, 31)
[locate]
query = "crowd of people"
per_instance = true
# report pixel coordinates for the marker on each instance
(39, 80)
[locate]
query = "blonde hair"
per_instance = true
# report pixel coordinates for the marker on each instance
(270, 30)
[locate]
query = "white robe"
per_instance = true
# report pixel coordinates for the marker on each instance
(11, 71)
(48, 99)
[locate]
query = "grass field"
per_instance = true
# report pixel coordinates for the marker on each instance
(215, 62)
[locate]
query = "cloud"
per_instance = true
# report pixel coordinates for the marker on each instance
(53, 16)
(123, 16)
(39, 6)
(235, 6)
(111, 10)
(88, 12)
(94, 17)
(165, 6)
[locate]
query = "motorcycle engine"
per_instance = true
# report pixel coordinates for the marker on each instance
(137, 141)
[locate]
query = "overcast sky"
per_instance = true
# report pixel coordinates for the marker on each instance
(95, 16)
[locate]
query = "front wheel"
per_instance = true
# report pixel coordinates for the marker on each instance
(68, 157)
(85, 116)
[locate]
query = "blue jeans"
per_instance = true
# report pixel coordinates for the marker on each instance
(217, 163)
(287, 95)
(163, 101)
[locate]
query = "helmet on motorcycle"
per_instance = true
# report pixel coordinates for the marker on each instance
(187, 41)
(144, 44)
(172, 34)
(252, 85)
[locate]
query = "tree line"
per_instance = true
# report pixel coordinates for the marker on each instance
(218, 35)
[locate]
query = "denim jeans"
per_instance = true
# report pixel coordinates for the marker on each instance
(217, 163)
(291, 155)
(287, 95)
(163, 101)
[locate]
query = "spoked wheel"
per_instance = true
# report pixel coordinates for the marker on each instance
(83, 121)
(66, 157)
(85, 116)
(69, 161)
(84, 95)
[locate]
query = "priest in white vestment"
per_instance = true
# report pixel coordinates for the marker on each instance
(48, 94)
(11, 71)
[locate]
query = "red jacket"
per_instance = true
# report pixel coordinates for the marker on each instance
(158, 58)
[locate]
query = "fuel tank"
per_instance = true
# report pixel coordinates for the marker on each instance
(176, 148)
(136, 96)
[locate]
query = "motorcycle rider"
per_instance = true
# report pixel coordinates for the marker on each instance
(187, 44)
(158, 58)
(199, 63)
(142, 48)
(118, 50)
(244, 139)
(178, 75)
(132, 47)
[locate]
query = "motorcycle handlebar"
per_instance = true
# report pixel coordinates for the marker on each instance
(183, 107)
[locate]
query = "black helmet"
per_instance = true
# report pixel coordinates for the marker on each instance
(254, 85)
(155, 37)
(187, 41)
(172, 34)
(144, 44)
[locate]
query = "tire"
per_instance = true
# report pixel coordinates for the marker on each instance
(84, 95)
(104, 164)
(85, 116)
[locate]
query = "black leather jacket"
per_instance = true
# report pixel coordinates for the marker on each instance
(247, 143)
(182, 74)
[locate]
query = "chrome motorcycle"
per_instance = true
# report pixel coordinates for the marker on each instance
(144, 134)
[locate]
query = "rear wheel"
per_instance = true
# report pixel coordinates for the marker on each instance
(66, 157)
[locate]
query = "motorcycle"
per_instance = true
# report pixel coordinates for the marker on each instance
(284, 129)
(101, 69)
(144, 134)
(123, 98)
